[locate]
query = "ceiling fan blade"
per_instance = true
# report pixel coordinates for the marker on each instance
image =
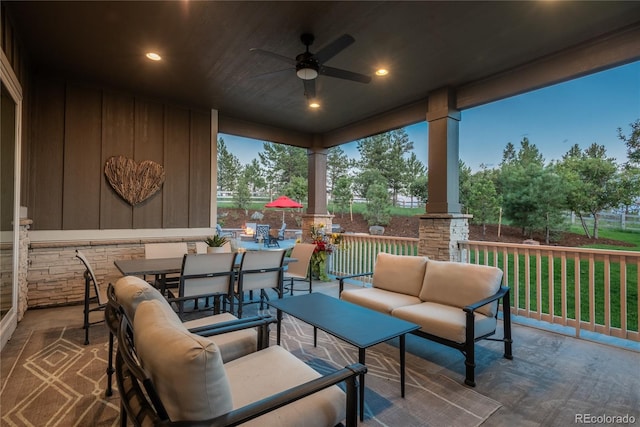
(344, 74)
(310, 89)
(290, 61)
(333, 48)
(271, 73)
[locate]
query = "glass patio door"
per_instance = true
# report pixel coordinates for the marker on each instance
(10, 111)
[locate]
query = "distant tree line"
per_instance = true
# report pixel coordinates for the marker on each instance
(524, 190)
(385, 169)
(535, 195)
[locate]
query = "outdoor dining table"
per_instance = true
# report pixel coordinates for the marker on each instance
(160, 267)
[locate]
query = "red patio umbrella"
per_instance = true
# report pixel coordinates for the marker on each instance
(283, 202)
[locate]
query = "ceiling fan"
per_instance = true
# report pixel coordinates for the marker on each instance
(309, 65)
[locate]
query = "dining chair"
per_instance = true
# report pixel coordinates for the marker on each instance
(299, 270)
(94, 293)
(166, 250)
(283, 228)
(262, 233)
(203, 276)
(259, 270)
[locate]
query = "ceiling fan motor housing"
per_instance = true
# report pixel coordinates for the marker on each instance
(307, 66)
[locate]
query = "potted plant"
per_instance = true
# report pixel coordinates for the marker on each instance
(215, 243)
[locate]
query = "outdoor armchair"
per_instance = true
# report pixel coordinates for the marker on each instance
(235, 337)
(187, 384)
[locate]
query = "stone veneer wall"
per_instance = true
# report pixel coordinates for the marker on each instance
(23, 266)
(55, 275)
(440, 234)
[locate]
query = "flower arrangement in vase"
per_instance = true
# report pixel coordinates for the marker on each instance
(325, 245)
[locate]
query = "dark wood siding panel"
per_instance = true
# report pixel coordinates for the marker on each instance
(83, 119)
(117, 140)
(46, 166)
(200, 178)
(149, 145)
(176, 185)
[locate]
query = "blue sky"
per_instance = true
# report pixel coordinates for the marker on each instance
(582, 111)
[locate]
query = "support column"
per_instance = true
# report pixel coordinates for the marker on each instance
(317, 208)
(443, 225)
(444, 153)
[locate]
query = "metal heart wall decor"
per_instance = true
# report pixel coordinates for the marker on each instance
(134, 182)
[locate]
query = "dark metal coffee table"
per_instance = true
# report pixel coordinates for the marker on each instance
(356, 325)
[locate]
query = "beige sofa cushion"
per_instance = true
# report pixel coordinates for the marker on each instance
(378, 299)
(273, 370)
(185, 368)
(459, 284)
(131, 291)
(445, 321)
(399, 273)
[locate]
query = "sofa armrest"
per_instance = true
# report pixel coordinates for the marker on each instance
(476, 305)
(341, 279)
(238, 416)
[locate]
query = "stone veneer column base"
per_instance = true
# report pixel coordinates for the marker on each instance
(317, 219)
(23, 267)
(439, 235)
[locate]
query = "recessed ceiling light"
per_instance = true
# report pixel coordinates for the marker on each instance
(314, 104)
(382, 72)
(153, 56)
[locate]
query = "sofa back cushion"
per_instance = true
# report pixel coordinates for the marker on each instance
(186, 369)
(399, 273)
(459, 284)
(131, 291)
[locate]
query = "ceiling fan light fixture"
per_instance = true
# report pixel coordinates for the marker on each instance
(307, 73)
(382, 72)
(153, 56)
(314, 104)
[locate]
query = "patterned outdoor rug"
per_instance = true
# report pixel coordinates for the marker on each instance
(49, 378)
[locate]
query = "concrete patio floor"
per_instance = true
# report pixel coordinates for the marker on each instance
(553, 380)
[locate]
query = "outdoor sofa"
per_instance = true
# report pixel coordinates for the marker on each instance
(455, 304)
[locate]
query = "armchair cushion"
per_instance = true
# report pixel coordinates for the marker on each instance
(273, 370)
(186, 369)
(471, 283)
(445, 321)
(399, 273)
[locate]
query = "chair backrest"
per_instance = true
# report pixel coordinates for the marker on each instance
(90, 276)
(302, 252)
(165, 250)
(262, 230)
(282, 230)
(251, 225)
(129, 291)
(201, 247)
(260, 270)
(206, 274)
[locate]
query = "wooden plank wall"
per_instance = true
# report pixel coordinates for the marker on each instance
(77, 127)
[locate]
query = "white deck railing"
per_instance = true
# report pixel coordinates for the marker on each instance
(560, 284)
(357, 252)
(549, 283)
